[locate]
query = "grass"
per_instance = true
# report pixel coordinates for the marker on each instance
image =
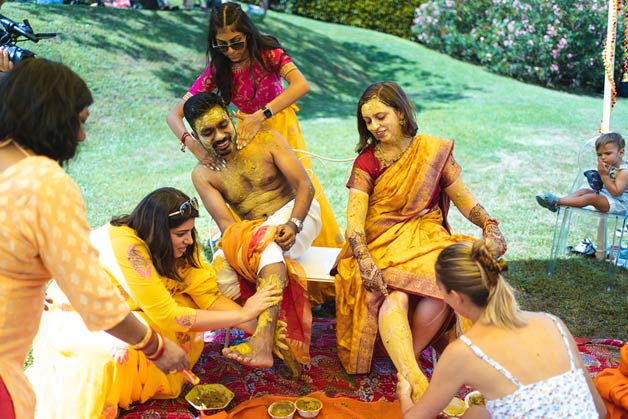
(513, 140)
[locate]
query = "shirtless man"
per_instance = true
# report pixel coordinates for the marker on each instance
(264, 181)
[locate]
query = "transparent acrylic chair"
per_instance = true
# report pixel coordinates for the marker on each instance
(568, 217)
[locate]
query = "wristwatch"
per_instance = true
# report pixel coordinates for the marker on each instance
(297, 223)
(267, 112)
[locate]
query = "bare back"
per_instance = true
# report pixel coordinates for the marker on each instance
(531, 354)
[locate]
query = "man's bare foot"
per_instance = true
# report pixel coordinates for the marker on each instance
(254, 353)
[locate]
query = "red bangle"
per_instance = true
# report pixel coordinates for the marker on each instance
(182, 139)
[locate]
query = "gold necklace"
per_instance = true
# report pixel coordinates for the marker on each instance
(380, 155)
(240, 65)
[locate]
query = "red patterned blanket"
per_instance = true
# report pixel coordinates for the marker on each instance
(325, 374)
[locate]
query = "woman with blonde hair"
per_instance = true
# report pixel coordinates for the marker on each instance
(501, 355)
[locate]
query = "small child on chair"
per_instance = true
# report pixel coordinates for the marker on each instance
(612, 193)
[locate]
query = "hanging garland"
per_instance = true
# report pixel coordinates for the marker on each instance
(609, 50)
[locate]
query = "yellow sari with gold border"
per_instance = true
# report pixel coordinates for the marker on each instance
(404, 236)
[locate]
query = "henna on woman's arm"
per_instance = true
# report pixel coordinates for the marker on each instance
(478, 215)
(489, 226)
(357, 241)
(372, 276)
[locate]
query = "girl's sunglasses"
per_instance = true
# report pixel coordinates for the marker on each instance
(223, 48)
(185, 210)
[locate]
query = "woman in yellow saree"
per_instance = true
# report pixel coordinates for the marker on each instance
(399, 193)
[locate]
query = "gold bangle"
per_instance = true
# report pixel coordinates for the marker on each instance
(144, 342)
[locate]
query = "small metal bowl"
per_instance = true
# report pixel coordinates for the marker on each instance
(283, 409)
(475, 398)
(308, 407)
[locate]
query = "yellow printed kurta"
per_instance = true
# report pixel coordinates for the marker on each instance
(44, 233)
(169, 306)
(404, 238)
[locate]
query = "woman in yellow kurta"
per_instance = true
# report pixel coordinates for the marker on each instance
(44, 233)
(152, 257)
(399, 193)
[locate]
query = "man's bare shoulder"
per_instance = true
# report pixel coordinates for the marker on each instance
(202, 173)
(270, 138)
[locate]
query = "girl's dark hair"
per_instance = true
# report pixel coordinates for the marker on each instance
(151, 222)
(471, 269)
(40, 102)
(231, 15)
(390, 94)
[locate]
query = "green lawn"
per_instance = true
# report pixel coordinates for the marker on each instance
(513, 140)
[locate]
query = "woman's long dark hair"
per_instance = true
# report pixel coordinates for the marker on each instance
(390, 94)
(231, 15)
(152, 224)
(40, 103)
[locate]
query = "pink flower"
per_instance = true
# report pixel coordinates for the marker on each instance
(551, 31)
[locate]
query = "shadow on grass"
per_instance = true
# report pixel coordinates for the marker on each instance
(338, 70)
(577, 293)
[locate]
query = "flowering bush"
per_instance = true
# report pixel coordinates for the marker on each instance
(548, 42)
(391, 16)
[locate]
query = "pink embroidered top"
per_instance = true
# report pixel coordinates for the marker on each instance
(251, 93)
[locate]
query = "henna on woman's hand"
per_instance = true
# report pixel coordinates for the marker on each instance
(494, 234)
(372, 276)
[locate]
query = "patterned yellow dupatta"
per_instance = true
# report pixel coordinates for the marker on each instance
(404, 190)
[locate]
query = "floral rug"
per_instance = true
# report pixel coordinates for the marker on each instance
(325, 374)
